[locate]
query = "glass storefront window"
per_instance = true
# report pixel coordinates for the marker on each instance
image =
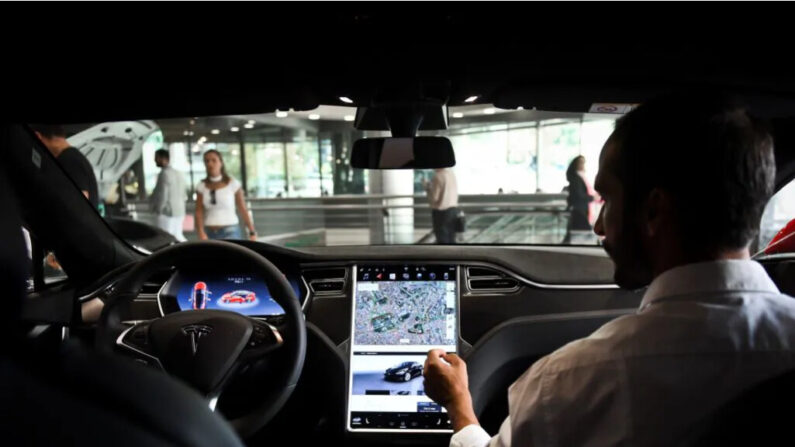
(560, 143)
(304, 157)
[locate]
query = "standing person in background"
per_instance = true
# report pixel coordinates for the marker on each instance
(168, 198)
(218, 196)
(73, 162)
(443, 198)
(580, 197)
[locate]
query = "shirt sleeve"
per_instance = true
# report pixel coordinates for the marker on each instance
(553, 397)
(474, 436)
(160, 192)
(181, 187)
(235, 185)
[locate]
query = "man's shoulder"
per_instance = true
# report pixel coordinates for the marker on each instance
(169, 173)
(683, 328)
(605, 344)
(629, 336)
(73, 155)
(75, 162)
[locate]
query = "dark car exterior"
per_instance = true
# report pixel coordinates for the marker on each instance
(403, 372)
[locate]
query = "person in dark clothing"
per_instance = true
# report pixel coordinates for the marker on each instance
(579, 199)
(73, 162)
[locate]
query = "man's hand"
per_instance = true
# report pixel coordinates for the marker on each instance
(446, 382)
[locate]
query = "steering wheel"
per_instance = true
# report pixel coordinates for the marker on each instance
(206, 348)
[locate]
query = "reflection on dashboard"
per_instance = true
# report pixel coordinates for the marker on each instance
(242, 293)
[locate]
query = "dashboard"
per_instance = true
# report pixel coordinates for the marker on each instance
(363, 370)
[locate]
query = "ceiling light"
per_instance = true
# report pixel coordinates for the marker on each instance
(280, 114)
(346, 100)
(249, 125)
(458, 115)
(215, 131)
(235, 129)
(489, 111)
(251, 122)
(192, 122)
(471, 99)
(186, 133)
(314, 117)
(349, 118)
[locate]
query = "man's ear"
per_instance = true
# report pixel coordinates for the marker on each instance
(657, 211)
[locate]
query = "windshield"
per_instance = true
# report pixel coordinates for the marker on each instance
(521, 177)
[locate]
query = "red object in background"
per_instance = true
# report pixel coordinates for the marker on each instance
(239, 297)
(784, 242)
(199, 295)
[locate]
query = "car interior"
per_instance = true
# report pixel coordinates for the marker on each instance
(135, 348)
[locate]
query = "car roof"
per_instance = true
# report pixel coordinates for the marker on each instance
(375, 54)
(496, 53)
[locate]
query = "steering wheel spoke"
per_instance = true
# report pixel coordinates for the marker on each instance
(265, 338)
(135, 343)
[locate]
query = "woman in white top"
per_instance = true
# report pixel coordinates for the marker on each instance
(218, 198)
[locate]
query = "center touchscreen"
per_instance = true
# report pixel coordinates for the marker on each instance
(400, 312)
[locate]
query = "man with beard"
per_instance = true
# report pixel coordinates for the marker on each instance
(684, 189)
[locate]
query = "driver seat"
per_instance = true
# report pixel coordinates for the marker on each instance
(73, 396)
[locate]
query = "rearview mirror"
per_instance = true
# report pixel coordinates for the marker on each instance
(403, 153)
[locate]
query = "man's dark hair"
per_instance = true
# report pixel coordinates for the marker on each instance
(162, 153)
(714, 159)
(49, 130)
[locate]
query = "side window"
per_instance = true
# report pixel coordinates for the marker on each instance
(52, 269)
(45, 268)
(778, 213)
(26, 235)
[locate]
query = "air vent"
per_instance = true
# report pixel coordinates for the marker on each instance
(324, 274)
(480, 272)
(326, 281)
(327, 286)
(484, 279)
(502, 284)
(150, 288)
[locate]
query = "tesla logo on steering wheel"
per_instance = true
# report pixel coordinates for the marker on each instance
(195, 332)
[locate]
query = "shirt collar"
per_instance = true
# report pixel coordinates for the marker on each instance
(709, 277)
